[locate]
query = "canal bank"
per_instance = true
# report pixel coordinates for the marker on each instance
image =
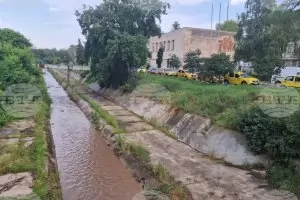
(88, 168)
(204, 177)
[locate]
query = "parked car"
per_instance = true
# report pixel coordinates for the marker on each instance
(284, 72)
(142, 70)
(240, 78)
(152, 71)
(170, 72)
(291, 81)
(188, 75)
(211, 79)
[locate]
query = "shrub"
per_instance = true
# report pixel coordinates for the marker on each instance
(278, 137)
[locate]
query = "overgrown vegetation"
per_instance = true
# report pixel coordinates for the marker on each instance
(17, 66)
(174, 62)
(116, 37)
(221, 103)
(264, 31)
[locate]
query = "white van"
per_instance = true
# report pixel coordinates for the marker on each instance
(286, 71)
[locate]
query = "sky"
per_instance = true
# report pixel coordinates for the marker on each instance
(52, 23)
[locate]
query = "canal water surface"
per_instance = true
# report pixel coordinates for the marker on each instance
(88, 169)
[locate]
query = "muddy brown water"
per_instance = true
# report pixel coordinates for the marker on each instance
(88, 168)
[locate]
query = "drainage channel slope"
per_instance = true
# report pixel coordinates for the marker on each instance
(88, 169)
(205, 178)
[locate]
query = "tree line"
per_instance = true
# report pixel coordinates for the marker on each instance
(75, 54)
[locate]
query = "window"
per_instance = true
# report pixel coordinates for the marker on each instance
(237, 76)
(173, 45)
(231, 74)
(289, 78)
(297, 79)
(164, 45)
(156, 46)
(160, 45)
(168, 47)
(153, 47)
(245, 75)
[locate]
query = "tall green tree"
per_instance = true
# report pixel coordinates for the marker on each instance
(116, 36)
(175, 25)
(80, 57)
(229, 25)
(258, 40)
(14, 38)
(174, 62)
(218, 65)
(159, 58)
(193, 61)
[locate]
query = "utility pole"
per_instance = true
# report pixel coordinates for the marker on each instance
(228, 11)
(220, 18)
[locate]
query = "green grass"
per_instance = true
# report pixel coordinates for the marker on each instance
(102, 113)
(218, 102)
(285, 179)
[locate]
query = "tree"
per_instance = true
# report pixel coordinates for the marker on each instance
(80, 57)
(218, 65)
(175, 25)
(159, 58)
(229, 25)
(51, 56)
(174, 62)
(116, 36)
(260, 41)
(14, 38)
(193, 61)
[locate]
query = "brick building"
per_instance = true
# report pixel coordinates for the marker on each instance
(181, 41)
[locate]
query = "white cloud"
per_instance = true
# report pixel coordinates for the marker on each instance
(198, 21)
(188, 2)
(70, 5)
(237, 2)
(53, 9)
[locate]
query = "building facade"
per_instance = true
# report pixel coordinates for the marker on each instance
(292, 57)
(181, 41)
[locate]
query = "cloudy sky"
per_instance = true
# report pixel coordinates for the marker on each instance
(52, 24)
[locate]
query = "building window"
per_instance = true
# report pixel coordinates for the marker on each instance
(160, 45)
(173, 45)
(153, 47)
(164, 46)
(156, 46)
(168, 47)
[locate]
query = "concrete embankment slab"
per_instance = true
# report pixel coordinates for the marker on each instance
(205, 179)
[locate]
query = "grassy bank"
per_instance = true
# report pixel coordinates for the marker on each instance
(218, 102)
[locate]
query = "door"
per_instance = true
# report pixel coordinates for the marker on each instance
(231, 78)
(297, 81)
(289, 81)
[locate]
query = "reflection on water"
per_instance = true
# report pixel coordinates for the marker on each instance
(88, 169)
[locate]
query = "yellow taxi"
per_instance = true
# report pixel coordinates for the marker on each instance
(291, 81)
(240, 78)
(188, 75)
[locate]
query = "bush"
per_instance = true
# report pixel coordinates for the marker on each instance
(277, 137)
(285, 179)
(131, 83)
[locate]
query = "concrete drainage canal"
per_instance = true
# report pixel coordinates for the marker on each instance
(88, 168)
